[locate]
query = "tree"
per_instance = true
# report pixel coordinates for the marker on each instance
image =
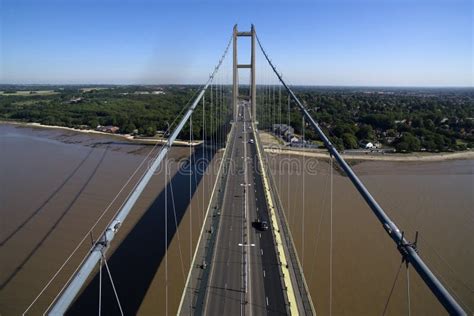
(150, 131)
(391, 133)
(429, 125)
(417, 122)
(337, 142)
(129, 128)
(365, 132)
(407, 143)
(381, 121)
(93, 122)
(349, 140)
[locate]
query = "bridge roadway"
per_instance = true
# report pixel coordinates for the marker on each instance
(244, 276)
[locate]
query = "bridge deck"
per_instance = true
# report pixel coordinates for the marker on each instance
(243, 273)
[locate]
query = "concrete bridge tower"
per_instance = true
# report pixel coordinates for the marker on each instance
(252, 97)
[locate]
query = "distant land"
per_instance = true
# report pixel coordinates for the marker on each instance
(402, 119)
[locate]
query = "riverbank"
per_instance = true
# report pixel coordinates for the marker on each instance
(415, 157)
(127, 137)
(272, 145)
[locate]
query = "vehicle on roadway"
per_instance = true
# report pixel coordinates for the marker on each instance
(251, 141)
(261, 225)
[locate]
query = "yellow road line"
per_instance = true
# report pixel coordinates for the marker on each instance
(276, 229)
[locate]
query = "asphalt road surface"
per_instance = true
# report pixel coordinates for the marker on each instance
(244, 277)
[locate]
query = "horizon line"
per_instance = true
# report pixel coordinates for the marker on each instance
(198, 84)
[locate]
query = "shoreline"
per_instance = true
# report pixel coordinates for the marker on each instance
(314, 153)
(411, 157)
(127, 137)
(272, 146)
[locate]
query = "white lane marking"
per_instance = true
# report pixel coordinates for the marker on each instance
(220, 230)
(247, 259)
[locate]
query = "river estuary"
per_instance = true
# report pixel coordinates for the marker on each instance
(55, 184)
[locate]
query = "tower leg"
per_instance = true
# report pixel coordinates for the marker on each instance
(235, 87)
(253, 96)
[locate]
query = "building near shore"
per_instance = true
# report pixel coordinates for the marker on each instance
(367, 144)
(108, 129)
(284, 131)
(76, 100)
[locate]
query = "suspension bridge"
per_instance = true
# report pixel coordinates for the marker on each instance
(244, 260)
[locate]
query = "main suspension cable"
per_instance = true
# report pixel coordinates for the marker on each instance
(92, 258)
(405, 248)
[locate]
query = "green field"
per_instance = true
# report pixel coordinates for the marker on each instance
(27, 93)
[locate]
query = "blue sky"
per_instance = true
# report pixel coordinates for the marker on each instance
(381, 43)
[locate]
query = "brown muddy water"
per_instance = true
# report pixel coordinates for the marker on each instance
(55, 184)
(434, 198)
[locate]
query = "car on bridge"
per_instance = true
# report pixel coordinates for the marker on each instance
(251, 141)
(260, 225)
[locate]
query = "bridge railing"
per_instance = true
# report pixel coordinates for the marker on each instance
(194, 292)
(295, 269)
